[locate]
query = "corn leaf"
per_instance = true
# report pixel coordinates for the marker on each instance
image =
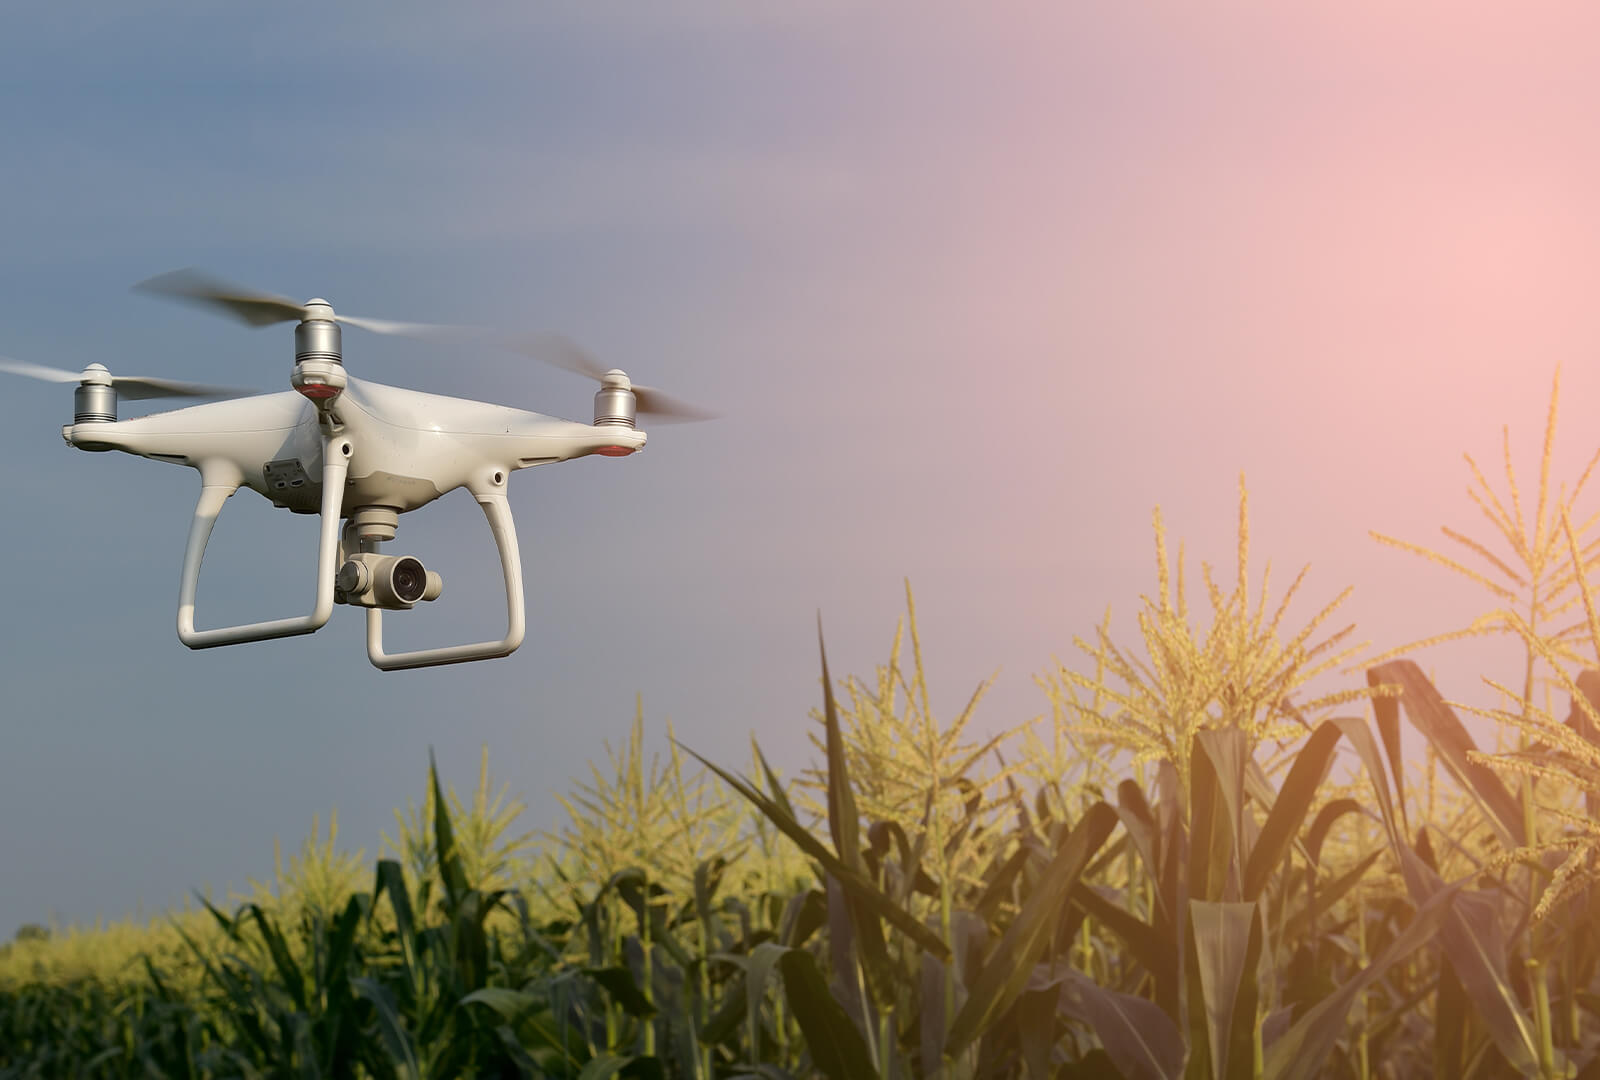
(1007, 967)
(1289, 809)
(837, 1048)
(851, 879)
(1300, 1052)
(1471, 933)
(1225, 945)
(1439, 723)
(1139, 1038)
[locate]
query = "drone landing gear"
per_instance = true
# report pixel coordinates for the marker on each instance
(219, 480)
(498, 512)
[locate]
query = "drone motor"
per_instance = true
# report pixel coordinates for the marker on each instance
(95, 401)
(318, 361)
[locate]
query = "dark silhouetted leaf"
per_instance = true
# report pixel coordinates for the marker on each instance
(1439, 723)
(836, 1047)
(1289, 810)
(1006, 969)
(1138, 1037)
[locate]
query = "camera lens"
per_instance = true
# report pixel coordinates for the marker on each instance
(409, 579)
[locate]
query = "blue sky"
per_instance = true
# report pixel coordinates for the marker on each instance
(972, 294)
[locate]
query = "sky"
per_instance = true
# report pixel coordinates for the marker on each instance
(973, 291)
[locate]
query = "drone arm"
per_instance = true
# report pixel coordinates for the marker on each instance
(217, 482)
(498, 511)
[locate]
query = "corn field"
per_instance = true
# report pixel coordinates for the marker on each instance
(1208, 859)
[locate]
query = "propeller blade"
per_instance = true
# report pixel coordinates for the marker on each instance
(666, 408)
(38, 371)
(263, 309)
(132, 387)
(559, 352)
(142, 387)
(422, 331)
(568, 355)
(247, 305)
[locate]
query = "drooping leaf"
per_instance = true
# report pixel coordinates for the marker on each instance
(1325, 819)
(1140, 1039)
(1470, 932)
(1008, 965)
(1139, 821)
(1439, 723)
(836, 1047)
(1145, 943)
(1301, 1051)
(619, 983)
(1475, 942)
(397, 1041)
(1327, 895)
(1289, 809)
(853, 880)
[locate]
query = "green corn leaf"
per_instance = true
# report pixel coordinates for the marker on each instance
(1470, 933)
(1475, 943)
(1325, 819)
(1387, 717)
(999, 885)
(1009, 964)
(391, 881)
(396, 1040)
(645, 1067)
(851, 879)
(803, 915)
(763, 959)
(1289, 809)
(341, 944)
(837, 1048)
(1327, 895)
(603, 1067)
(1450, 1011)
(516, 1051)
(450, 869)
(530, 1015)
(1439, 723)
(844, 822)
(1216, 779)
(1140, 1039)
(1139, 822)
(620, 984)
(1225, 945)
(780, 798)
(1145, 943)
(511, 1005)
(282, 959)
(723, 1025)
(1300, 1052)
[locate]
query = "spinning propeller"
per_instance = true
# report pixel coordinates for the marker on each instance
(258, 308)
(133, 387)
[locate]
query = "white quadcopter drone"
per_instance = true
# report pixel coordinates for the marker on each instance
(349, 450)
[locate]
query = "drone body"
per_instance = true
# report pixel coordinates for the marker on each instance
(352, 451)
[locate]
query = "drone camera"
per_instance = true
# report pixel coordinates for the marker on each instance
(395, 582)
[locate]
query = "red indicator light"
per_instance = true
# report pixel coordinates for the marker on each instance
(317, 391)
(615, 451)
